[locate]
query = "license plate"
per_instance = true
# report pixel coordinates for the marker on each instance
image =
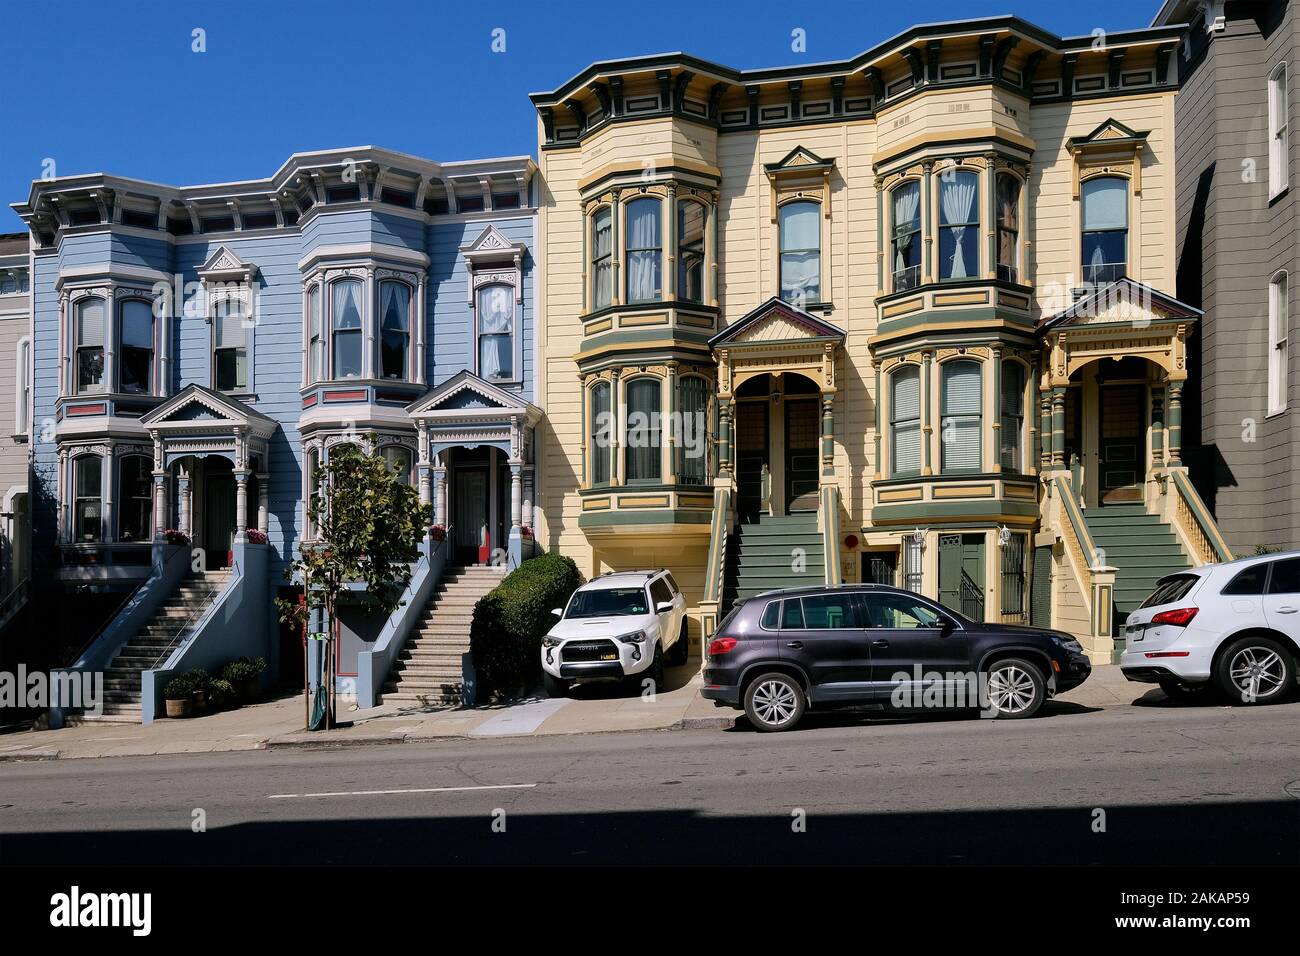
(1136, 631)
(609, 657)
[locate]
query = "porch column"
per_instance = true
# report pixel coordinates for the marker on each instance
(724, 436)
(1157, 427)
(1058, 427)
(529, 478)
(516, 494)
(828, 432)
(241, 504)
(1044, 429)
(159, 503)
(1175, 424)
(423, 465)
(440, 500)
(263, 502)
(184, 518)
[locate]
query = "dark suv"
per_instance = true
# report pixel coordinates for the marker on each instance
(779, 653)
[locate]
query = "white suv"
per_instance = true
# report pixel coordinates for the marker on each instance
(1234, 626)
(621, 624)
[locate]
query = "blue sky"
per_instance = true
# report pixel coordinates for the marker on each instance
(116, 87)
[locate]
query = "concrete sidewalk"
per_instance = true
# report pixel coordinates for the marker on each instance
(597, 708)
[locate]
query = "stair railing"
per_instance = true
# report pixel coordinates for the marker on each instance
(177, 638)
(1192, 519)
(1078, 542)
(719, 532)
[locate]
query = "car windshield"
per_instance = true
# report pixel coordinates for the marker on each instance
(1171, 589)
(609, 602)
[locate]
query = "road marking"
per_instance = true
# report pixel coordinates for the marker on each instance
(384, 793)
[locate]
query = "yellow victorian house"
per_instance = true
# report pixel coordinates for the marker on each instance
(903, 318)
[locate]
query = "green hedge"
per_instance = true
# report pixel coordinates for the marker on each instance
(511, 620)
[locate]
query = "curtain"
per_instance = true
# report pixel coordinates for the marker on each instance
(905, 416)
(601, 249)
(395, 312)
(961, 416)
(907, 204)
(600, 434)
(345, 307)
(801, 252)
(642, 429)
(957, 201)
(496, 311)
(643, 260)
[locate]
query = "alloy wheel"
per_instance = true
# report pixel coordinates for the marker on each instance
(1257, 672)
(1011, 689)
(774, 702)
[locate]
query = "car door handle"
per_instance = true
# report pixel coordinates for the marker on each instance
(880, 643)
(794, 644)
(1287, 609)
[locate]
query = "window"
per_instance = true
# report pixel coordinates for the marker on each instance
(771, 616)
(394, 328)
(907, 236)
(905, 421)
(1012, 429)
(913, 566)
(1105, 229)
(1008, 208)
(608, 602)
(1249, 581)
(644, 266)
(1171, 589)
(22, 385)
(826, 612)
(316, 337)
(87, 481)
(1286, 577)
(897, 611)
(496, 325)
(1279, 132)
(229, 346)
(643, 460)
(959, 225)
(602, 259)
(345, 327)
(659, 591)
(136, 369)
(135, 499)
(90, 345)
(692, 444)
(960, 440)
(1013, 578)
(690, 251)
(600, 433)
(792, 614)
(801, 257)
(399, 461)
(1279, 359)
(313, 473)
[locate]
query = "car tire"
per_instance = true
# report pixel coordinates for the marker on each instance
(681, 650)
(555, 686)
(774, 702)
(1016, 689)
(1186, 693)
(656, 671)
(1256, 670)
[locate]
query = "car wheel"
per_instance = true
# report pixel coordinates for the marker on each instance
(655, 672)
(1177, 691)
(681, 650)
(1255, 670)
(555, 686)
(1015, 688)
(774, 702)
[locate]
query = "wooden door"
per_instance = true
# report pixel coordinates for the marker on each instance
(1121, 455)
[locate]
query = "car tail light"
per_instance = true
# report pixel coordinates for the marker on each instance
(1179, 618)
(1153, 654)
(721, 645)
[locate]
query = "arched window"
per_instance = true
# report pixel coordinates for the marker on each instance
(399, 460)
(316, 337)
(905, 202)
(1105, 229)
(643, 461)
(602, 259)
(135, 498)
(1279, 131)
(692, 438)
(345, 328)
(801, 256)
(394, 328)
(1012, 420)
(87, 488)
(496, 332)
(690, 250)
(135, 368)
(90, 345)
(959, 225)
(905, 421)
(229, 346)
(1008, 203)
(644, 250)
(600, 433)
(313, 472)
(1279, 342)
(960, 434)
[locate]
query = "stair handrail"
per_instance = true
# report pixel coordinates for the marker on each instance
(191, 620)
(108, 621)
(17, 594)
(718, 534)
(1078, 541)
(1196, 524)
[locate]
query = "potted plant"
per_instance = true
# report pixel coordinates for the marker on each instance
(176, 537)
(255, 537)
(179, 695)
(438, 533)
(242, 675)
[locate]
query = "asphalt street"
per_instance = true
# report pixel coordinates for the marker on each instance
(1154, 783)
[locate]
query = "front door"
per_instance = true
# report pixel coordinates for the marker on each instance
(961, 574)
(802, 434)
(1121, 457)
(218, 518)
(751, 457)
(469, 508)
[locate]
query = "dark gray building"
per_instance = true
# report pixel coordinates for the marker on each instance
(1237, 244)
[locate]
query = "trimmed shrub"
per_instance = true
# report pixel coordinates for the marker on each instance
(186, 685)
(242, 676)
(511, 620)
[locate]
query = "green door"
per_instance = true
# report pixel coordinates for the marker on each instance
(1040, 598)
(802, 435)
(961, 574)
(751, 456)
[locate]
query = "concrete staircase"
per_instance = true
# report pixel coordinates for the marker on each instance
(169, 626)
(761, 556)
(1140, 546)
(428, 670)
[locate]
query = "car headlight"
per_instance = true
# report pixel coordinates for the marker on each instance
(549, 641)
(636, 637)
(1067, 644)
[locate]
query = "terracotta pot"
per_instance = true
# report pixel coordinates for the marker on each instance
(179, 708)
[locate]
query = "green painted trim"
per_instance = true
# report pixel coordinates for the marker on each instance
(1076, 519)
(993, 508)
(660, 516)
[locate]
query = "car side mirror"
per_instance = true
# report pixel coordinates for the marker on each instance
(663, 607)
(558, 611)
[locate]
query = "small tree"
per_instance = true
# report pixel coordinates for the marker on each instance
(368, 527)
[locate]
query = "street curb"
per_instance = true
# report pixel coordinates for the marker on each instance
(43, 753)
(315, 742)
(705, 723)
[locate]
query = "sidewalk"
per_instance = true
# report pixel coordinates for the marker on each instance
(599, 708)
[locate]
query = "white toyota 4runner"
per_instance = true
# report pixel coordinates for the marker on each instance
(623, 624)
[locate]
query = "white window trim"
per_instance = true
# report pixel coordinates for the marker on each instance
(1279, 131)
(1279, 335)
(23, 387)
(249, 324)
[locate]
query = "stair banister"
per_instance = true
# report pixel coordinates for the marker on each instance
(1192, 520)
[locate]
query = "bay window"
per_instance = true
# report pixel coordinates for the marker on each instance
(90, 345)
(644, 250)
(345, 328)
(394, 328)
(905, 421)
(229, 346)
(1105, 229)
(399, 462)
(643, 461)
(1008, 210)
(135, 362)
(600, 430)
(602, 259)
(959, 225)
(800, 233)
(961, 398)
(906, 238)
(1012, 420)
(135, 498)
(496, 331)
(690, 251)
(87, 487)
